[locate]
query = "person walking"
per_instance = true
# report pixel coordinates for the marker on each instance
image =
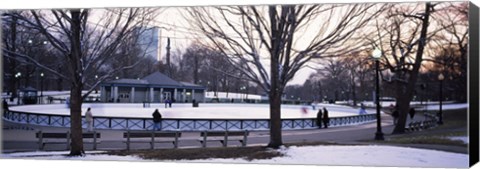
(157, 119)
(170, 103)
(326, 119)
(319, 118)
(412, 113)
(395, 115)
(89, 119)
(5, 106)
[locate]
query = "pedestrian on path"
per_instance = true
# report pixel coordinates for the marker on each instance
(89, 119)
(157, 119)
(319, 118)
(326, 119)
(395, 115)
(166, 103)
(5, 106)
(170, 103)
(412, 113)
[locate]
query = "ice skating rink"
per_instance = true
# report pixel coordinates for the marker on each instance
(186, 111)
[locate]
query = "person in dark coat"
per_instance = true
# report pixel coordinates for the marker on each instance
(157, 119)
(166, 103)
(319, 118)
(412, 113)
(5, 106)
(326, 119)
(395, 115)
(170, 103)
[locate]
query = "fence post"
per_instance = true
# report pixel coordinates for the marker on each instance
(128, 140)
(152, 142)
(225, 139)
(40, 140)
(176, 140)
(204, 139)
(244, 143)
(94, 140)
(68, 140)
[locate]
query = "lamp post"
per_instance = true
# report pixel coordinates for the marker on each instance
(440, 114)
(18, 86)
(377, 54)
(41, 85)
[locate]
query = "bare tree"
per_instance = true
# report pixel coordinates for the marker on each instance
(86, 45)
(403, 37)
(267, 40)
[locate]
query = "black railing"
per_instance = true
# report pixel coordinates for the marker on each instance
(132, 123)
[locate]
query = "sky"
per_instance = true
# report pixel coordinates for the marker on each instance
(172, 22)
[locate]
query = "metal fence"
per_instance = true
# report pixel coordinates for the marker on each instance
(128, 123)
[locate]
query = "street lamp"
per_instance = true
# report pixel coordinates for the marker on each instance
(376, 55)
(41, 85)
(440, 115)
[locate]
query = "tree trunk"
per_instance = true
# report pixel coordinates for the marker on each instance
(405, 92)
(76, 86)
(275, 120)
(76, 121)
(275, 91)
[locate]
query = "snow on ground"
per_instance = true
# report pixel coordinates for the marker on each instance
(233, 95)
(461, 138)
(385, 156)
(185, 110)
(448, 106)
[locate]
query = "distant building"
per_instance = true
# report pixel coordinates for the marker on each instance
(150, 42)
(154, 88)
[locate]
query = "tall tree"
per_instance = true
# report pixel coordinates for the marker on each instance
(403, 38)
(266, 40)
(86, 45)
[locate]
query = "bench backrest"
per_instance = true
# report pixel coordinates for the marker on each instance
(64, 135)
(222, 133)
(149, 134)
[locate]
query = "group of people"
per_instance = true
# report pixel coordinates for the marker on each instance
(322, 118)
(396, 113)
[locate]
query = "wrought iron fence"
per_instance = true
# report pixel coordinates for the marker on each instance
(130, 123)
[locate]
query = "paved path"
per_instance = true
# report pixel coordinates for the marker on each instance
(18, 137)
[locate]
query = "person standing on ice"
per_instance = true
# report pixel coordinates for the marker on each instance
(166, 102)
(362, 109)
(319, 118)
(157, 119)
(326, 119)
(89, 119)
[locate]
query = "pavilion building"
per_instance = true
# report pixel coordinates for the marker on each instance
(154, 88)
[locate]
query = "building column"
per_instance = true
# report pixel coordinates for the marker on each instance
(204, 96)
(151, 95)
(112, 93)
(174, 93)
(161, 95)
(193, 95)
(115, 94)
(184, 95)
(132, 95)
(103, 94)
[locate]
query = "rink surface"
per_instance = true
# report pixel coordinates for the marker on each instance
(186, 111)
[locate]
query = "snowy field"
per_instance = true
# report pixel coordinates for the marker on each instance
(386, 156)
(185, 110)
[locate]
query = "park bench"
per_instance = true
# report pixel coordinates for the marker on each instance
(65, 138)
(420, 125)
(223, 137)
(150, 137)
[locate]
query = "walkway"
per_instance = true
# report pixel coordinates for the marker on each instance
(22, 138)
